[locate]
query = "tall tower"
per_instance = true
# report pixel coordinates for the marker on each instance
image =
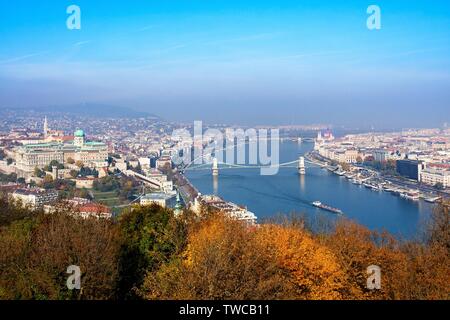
(55, 173)
(45, 127)
(178, 209)
(301, 166)
(215, 168)
(78, 140)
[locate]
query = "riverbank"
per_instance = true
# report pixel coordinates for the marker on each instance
(374, 180)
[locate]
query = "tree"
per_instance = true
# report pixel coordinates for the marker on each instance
(73, 173)
(79, 164)
(45, 245)
(314, 270)
(148, 241)
(9, 161)
(226, 259)
(439, 226)
(48, 179)
(12, 177)
(439, 186)
(55, 163)
(39, 173)
(345, 166)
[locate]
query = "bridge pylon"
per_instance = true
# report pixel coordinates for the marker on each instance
(301, 166)
(215, 168)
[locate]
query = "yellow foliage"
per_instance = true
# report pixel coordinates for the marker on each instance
(313, 267)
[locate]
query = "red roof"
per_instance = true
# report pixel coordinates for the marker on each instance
(94, 208)
(68, 138)
(439, 165)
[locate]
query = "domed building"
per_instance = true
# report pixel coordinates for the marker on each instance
(79, 138)
(91, 153)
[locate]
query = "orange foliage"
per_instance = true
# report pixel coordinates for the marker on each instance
(313, 267)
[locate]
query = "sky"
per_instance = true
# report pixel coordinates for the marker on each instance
(243, 62)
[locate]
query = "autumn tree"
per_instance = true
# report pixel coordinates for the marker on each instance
(35, 254)
(439, 226)
(313, 268)
(79, 164)
(223, 260)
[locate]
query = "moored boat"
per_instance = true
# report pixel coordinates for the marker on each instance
(432, 199)
(411, 195)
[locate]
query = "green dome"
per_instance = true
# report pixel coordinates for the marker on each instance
(79, 133)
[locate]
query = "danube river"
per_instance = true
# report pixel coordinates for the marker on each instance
(287, 193)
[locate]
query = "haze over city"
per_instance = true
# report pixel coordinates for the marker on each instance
(243, 62)
(219, 159)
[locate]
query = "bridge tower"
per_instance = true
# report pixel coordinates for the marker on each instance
(301, 166)
(215, 168)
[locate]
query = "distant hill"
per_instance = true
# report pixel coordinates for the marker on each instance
(92, 109)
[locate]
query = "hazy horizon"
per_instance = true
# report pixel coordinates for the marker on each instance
(252, 63)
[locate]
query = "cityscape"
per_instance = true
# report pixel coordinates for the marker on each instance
(224, 152)
(413, 163)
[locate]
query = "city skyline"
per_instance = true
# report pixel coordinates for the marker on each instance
(247, 63)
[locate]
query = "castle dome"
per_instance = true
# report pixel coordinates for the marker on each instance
(79, 133)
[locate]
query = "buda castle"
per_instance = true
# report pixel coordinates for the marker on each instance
(56, 146)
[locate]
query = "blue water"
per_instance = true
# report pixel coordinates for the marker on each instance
(287, 192)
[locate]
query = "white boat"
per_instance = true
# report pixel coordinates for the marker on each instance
(411, 195)
(340, 172)
(320, 205)
(378, 188)
(432, 199)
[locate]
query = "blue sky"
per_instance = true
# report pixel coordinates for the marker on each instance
(249, 62)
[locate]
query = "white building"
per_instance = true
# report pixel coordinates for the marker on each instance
(160, 198)
(92, 154)
(433, 176)
(230, 209)
(35, 198)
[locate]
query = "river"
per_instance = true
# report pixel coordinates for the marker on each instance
(287, 192)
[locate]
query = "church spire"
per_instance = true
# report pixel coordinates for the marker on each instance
(45, 127)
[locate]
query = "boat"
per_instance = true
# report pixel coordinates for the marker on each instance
(320, 205)
(432, 199)
(411, 195)
(377, 187)
(356, 181)
(367, 185)
(340, 172)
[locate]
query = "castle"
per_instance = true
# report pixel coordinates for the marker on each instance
(60, 148)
